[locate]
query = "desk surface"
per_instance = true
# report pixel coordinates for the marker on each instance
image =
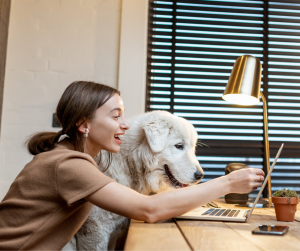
(209, 235)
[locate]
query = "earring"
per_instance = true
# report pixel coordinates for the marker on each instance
(85, 135)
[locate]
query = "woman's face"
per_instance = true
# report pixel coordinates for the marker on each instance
(107, 127)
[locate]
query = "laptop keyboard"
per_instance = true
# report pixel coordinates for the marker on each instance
(222, 212)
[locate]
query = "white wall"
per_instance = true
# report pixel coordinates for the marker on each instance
(50, 44)
(133, 55)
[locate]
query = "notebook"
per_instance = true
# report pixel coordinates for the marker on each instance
(225, 214)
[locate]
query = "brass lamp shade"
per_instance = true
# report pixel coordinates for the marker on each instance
(243, 86)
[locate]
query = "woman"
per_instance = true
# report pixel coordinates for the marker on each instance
(54, 193)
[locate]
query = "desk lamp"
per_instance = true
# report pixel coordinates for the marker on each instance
(243, 88)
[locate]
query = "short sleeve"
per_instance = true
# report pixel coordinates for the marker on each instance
(78, 178)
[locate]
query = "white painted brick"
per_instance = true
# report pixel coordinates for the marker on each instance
(79, 64)
(2, 163)
(36, 64)
(4, 186)
(49, 51)
(13, 159)
(51, 43)
(36, 116)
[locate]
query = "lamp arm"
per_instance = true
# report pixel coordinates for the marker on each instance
(266, 145)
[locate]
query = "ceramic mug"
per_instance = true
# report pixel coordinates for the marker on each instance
(235, 198)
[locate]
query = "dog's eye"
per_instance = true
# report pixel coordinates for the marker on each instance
(179, 146)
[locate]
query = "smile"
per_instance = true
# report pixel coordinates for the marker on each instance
(174, 182)
(118, 138)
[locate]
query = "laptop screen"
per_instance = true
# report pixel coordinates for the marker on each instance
(266, 180)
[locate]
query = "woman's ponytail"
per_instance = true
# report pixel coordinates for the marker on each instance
(42, 142)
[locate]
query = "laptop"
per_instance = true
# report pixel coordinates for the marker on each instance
(225, 214)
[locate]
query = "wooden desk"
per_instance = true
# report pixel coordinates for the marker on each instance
(208, 235)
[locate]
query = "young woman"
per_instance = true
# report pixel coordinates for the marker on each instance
(54, 193)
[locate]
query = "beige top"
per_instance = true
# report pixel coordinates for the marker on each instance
(45, 205)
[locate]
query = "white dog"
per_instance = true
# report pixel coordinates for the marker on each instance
(157, 153)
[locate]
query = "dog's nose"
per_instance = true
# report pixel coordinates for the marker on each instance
(198, 175)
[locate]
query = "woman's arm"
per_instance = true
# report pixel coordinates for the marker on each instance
(122, 200)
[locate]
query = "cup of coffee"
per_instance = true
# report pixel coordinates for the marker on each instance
(235, 198)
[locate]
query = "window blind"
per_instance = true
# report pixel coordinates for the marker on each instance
(192, 46)
(284, 90)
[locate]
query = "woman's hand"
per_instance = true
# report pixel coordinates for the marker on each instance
(245, 180)
(122, 200)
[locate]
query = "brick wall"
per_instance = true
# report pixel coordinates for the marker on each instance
(50, 44)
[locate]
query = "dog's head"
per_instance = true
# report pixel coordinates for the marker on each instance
(168, 151)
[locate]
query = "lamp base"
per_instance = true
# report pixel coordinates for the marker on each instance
(261, 203)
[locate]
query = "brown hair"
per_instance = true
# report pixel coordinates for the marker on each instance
(78, 104)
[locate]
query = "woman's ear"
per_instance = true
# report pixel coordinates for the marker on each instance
(82, 127)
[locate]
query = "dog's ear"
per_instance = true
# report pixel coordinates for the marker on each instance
(156, 134)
